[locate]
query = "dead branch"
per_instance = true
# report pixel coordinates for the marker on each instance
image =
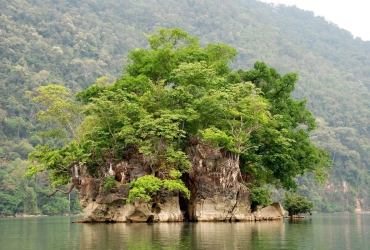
(64, 192)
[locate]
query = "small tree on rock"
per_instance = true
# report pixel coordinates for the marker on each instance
(296, 204)
(261, 197)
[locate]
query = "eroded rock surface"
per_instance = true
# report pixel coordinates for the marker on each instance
(273, 212)
(214, 180)
(215, 184)
(111, 206)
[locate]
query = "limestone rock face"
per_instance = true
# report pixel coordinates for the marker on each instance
(273, 212)
(111, 206)
(214, 181)
(215, 184)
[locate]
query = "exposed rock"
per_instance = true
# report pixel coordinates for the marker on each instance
(358, 208)
(214, 180)
(275, 211)
(110, 206)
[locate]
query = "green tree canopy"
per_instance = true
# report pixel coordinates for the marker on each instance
(284, 149)
(296, 204)
(176, 90)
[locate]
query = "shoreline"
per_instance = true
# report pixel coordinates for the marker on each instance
(81, 214)
(36, 215)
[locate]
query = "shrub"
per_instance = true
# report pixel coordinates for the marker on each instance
(260, 197)
(177, 185)
(109, 183)
(296, 204)
(143, 187)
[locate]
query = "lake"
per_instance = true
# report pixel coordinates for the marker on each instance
(320, 231)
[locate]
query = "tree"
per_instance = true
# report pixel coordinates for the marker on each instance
(261, 197)
(177, 90)
(335, 81)
(284, 149)
(296, 204)
(57, 109)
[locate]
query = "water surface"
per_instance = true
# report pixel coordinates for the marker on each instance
(320, 231)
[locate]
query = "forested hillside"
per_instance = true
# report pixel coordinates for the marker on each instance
(73, 43)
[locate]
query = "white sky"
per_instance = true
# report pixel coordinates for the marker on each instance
(352, 15)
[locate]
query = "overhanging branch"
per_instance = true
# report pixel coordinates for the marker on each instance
(64, 192)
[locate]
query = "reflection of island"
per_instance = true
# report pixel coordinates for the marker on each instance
(131, 236)
(320, 231)
(208, 235)
(233, 235)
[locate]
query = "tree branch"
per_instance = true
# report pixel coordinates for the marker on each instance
(64, 192)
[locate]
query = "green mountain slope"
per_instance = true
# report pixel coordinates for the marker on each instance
(74, 42)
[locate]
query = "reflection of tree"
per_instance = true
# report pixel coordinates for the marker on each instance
(134, 236)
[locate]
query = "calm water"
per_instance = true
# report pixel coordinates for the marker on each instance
(320, 231)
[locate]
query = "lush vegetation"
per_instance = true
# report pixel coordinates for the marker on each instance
(296, 204)
(261, 197)
(143, 188)
(72, 43)
(173, 91)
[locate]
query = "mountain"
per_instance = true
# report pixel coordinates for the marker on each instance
(72, 43)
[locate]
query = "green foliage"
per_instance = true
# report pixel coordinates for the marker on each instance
(217, 138)
(171, 38)
(296, 204)
(168, 93)
(332, 207)
(56, 206)
(177, 185)
(158, 115)
(9, 204)
(143, 187)
(72, 49)
(285, 150)
(178, 159)
(109, 183)
(19, 195)
(175, 174)
(56, 107)
(45, 158)
(261, 197)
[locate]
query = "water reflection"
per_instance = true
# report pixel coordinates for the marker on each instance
(133, 236)
(325, 231)
(39, 233)
(183, 235)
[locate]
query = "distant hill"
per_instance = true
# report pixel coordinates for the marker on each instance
(74, 42)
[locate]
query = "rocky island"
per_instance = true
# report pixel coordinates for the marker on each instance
(180, 136)
(217, 193)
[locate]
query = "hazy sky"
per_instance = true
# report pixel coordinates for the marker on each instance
(352, 15)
